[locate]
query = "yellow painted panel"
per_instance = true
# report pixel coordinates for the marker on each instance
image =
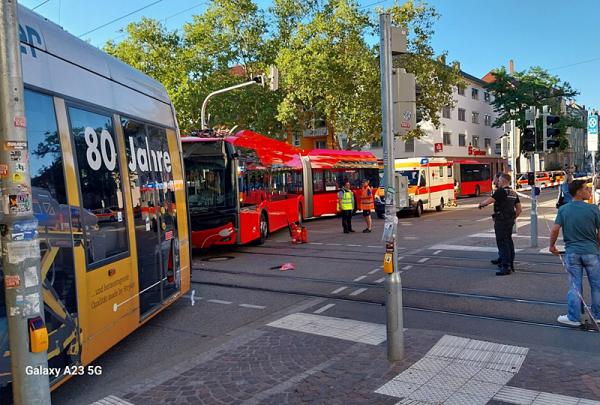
(181, 206)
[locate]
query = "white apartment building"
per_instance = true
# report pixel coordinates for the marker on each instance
(465, 132)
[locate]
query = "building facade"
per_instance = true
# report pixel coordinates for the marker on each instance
(465, 132)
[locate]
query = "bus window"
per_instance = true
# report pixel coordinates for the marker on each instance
(449, 171)
(318, 181)
(100, 183)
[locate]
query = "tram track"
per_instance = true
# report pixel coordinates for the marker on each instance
(360, 284)
(488, 267)
(382, 303)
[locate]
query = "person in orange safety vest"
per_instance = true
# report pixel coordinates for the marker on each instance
(367, 203)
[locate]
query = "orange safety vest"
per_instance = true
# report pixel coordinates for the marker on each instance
(366, 199)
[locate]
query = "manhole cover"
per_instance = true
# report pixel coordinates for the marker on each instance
(217, 259)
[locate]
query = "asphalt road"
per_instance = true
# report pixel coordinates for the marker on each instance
(448, 283)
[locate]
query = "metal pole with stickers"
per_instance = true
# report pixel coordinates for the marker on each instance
(28, 337)
(397, 113)
(592, 147)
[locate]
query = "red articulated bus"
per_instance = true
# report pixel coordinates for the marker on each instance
(324, 173)
(472, 177)
(241, 188)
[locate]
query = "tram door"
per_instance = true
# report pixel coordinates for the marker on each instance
(150, 176)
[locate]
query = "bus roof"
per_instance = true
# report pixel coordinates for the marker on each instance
(270, 151)
(469, 162)
(350, 159)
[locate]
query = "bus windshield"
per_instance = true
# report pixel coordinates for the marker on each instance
(208, 178)
(413, 176)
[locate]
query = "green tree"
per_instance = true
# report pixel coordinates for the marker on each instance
(327, 68)
(514, 93)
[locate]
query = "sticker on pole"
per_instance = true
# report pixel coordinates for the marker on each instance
(15, 145)
(592, 133)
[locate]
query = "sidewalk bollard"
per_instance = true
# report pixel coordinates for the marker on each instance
(395, 326)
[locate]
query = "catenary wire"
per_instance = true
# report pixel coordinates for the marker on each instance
(120, 18)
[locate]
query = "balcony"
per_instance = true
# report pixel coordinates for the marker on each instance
(315, 132)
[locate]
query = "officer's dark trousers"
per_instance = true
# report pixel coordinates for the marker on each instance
(506, 248)
(347, 220)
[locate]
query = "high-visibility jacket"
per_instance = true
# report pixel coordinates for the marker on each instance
(366, 199)
(347, 203)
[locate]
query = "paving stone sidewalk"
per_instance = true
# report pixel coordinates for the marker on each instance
(278, 366)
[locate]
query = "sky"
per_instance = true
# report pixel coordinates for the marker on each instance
(557, 35)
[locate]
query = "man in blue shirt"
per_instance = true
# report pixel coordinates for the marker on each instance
(580, 223)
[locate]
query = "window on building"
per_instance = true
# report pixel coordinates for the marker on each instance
(447, 138)
(461, 114)
(296, 139)
(462, 140)
(487, 142)
(409, 145)
(446, 112)
(320, 145)
(474, 93)
(475, 142)
(487, 120)
(475, 117)
(461, 90)
(486, 97)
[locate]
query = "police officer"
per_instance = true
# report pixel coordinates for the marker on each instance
(346, 206)
(507, 207)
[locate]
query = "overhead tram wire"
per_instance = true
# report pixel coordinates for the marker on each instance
(41, 4)
(120, 18)
(164, 20)
(575, 64)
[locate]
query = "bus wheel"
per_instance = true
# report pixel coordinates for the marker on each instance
(441, 206)
(477, 191)
(419, 209)
(264, 229)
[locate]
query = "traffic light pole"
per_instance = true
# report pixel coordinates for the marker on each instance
(18, 229)
(534, 216)
(393, 283)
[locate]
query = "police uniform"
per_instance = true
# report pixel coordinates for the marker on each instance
(505, 201)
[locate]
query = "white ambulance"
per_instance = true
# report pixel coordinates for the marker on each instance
(430, 182)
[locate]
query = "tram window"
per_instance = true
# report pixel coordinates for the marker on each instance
(49, 204)
(101, 184)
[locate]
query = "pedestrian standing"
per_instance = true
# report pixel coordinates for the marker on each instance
(580, 223)
(367, 204)
(564, 196)
(495, 185)
(507, 207)
(346, 205)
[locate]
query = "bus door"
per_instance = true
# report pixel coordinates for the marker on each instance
(150, 169)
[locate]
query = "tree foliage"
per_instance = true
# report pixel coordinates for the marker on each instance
(328, 68)
(535, 87)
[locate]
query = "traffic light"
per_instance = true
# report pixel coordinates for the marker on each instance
(550, 133)
(528, 141)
